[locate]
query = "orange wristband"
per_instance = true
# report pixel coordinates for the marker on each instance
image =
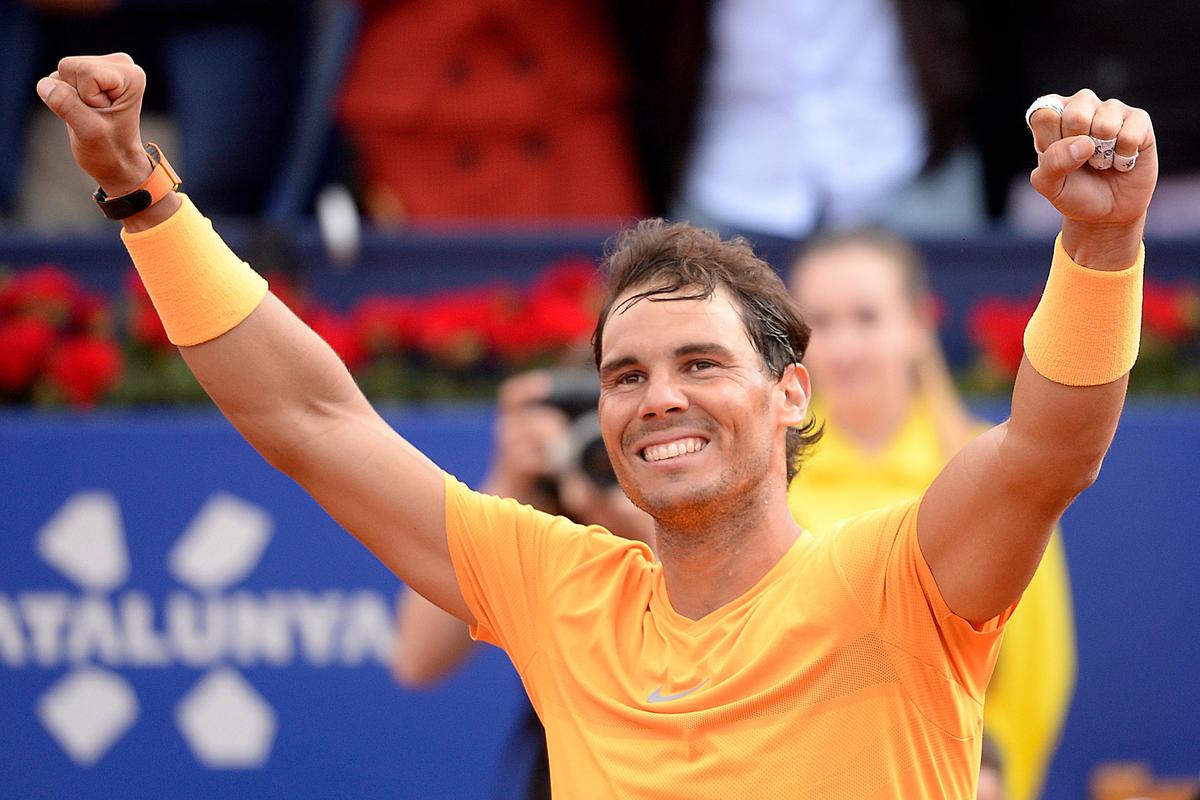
(198, 286)
(1087, 328)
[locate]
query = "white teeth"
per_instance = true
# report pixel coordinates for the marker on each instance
(661, 452)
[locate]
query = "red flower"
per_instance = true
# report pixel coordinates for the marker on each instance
(997, 327)
(338, 334)
(574, 277)
(1163, 311)
(289, 293)
(46, 291)
(387, 324)
(85, 368)
(460, 327)
(144, 325)
(25, 345)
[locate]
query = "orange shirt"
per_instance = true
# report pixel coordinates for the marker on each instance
(840, 674)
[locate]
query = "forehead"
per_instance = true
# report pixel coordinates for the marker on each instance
(668, 321)
(852, 272)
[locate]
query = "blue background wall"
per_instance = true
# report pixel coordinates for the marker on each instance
(348, 731)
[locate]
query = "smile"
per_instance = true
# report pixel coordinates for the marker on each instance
(679, 447)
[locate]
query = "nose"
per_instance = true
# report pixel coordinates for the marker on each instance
(662, 396)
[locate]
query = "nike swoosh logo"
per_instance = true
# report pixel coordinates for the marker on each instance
(657, 697)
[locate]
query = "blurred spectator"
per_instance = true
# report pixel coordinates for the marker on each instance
(823, 113)
(490, 109)
(547, 453)
(991, 773)
(666, 45)
(233, 73)
(1143, 53)
(892, 420)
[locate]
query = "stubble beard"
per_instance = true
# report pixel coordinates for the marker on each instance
(717, 514)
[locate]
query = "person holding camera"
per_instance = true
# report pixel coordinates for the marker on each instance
(547, 453)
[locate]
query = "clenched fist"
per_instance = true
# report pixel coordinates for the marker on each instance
(1103, 208)
(100, 100)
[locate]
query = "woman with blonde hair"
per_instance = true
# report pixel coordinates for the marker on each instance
(892, 419)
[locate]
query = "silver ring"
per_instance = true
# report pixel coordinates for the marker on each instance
(1045, 101)
(1124, 163)
(1102, 156)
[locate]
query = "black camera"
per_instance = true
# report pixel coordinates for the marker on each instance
(576, 392)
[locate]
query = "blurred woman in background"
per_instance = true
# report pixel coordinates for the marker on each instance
(892, 420)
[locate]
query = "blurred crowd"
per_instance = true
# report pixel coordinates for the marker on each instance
(767, 117)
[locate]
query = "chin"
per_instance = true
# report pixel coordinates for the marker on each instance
(679, 501)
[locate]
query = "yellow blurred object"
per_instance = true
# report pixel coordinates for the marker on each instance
(1030, 691)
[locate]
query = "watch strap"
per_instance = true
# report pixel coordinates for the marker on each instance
(162, 181)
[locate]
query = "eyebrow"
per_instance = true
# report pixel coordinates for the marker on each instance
(691, 349)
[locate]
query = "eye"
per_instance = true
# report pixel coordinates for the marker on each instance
(628, 378)
(700, 364)
(866, 316)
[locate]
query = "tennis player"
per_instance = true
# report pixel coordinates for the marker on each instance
(753, 659)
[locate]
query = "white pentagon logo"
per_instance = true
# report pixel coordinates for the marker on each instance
(84, 541)
(226, 722)
(222, 545)
(87, 711)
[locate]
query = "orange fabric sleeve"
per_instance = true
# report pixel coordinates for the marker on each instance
(509, 558)
(880, 558)
(198, 286)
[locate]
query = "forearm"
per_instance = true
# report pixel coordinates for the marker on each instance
(271, 375)
(429, 642)
(277, 381)
(1060, 433)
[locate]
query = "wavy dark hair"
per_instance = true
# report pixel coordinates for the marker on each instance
(662, 258)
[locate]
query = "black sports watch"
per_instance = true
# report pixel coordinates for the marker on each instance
(162, 181)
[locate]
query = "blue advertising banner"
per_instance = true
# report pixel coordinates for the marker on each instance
(179, 620)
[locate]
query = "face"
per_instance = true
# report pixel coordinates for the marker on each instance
(866, 333)
(693, 422)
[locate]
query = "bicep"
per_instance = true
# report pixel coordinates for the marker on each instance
(390, 496)
(980, 533)
(987, 517)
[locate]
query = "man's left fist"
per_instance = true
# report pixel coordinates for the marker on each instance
(1117, 139)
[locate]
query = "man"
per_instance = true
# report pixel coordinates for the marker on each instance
(754, 659)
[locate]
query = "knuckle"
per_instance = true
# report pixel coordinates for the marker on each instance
(1076, 118)
(1087, 94)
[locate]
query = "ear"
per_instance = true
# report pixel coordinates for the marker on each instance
(795, 389)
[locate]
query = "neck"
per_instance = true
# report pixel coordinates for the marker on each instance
(873, 425)
(710, 564)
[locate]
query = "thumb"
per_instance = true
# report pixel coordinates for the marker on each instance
(62, 98)
(1058, 161)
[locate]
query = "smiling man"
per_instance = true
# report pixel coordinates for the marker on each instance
(753, 659)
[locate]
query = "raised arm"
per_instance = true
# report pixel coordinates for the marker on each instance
(282, 387)
(985, 521)
(430, 643)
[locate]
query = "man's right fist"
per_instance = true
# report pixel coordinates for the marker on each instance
(100, 99)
